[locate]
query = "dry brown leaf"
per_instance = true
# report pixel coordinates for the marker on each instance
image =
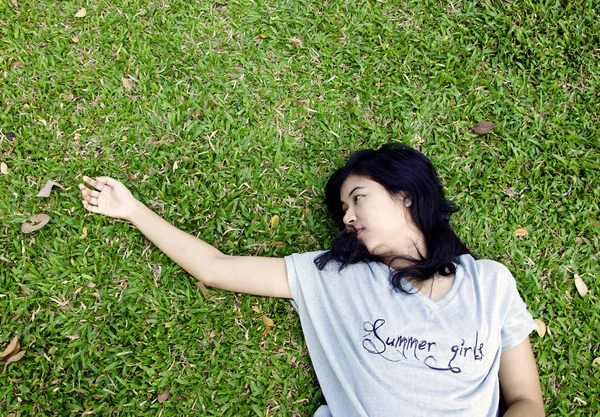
(197, 113)
(267, 321)
(14, 3)
(579, 240)
(45, 190)
(203, 290)
(81, 13)
(127, 83)
(596, 361)
(582, 289)
(83, 233)
(95, 294)
(541, 327)
(267, 330)
(12, 348)
(15, 358)
(520, 231)
(482, 128)
(255, 309)
(17, 64)
(74, 39)
(37, 222)
(3, 168)
(164, 396)
(274, 221)
(278, 244)
(11, 415)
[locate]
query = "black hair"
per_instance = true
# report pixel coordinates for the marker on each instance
(399, 169)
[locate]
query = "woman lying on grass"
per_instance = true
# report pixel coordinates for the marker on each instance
(398, 317)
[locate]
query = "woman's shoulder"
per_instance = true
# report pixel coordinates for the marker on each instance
(485, 268)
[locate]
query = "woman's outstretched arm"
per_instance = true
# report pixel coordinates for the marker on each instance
(520, 382)
(245, 274)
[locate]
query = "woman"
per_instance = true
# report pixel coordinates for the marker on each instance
(399, 319)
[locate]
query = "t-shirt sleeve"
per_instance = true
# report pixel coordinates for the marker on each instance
(518, 322)
(301, 269)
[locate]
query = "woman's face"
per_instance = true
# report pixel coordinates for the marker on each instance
(383, 223)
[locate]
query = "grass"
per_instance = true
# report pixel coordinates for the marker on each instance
(237, 112)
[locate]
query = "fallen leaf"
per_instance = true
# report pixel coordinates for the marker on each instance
(77, 135)
(132, 176)
(37, 222)
(3, 168)
(541, 327)
(83, 233)
(482, 128)
(267, 330)
(81, 13)
(15, 358)
(274, 221)
(263, 36)
(267, 321)
(127, 83)
(74, 39)
(579, 240)
(14, 3)
(278, 244)
(95, 294)
(203, 290)
(296, 42)
(164, 396)
(17, 64)
(582, 289)
(11, 415)
(45, 191)
(13, 347)
(596, 361)
(197, 113)
(520, 231)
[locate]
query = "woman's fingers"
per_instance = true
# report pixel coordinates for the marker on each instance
(89, 207)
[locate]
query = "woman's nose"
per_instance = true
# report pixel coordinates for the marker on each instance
(349, 218)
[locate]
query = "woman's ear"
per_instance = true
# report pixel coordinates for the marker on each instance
(405, 199)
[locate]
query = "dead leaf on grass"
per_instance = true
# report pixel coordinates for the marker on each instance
(37, 222)
(14, 358)
(74, 39)
(81, 13)
(520, 231)
(12, 348)
(3, 168)
(17, 64)
(127, 83)
(267, 330)
(274, 221)
(14, 3)
(83, 233)
(255, 309)
(482, 128)
(596, 361)
(582, 288)
(267, 321)
(541, 327)
(203, 289)
(45, 190)
(164, 396)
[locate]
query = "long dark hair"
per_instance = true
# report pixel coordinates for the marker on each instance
(399, 169)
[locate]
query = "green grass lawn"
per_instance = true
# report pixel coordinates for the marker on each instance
(233, 112)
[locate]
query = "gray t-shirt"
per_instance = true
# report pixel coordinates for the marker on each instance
(377, 352)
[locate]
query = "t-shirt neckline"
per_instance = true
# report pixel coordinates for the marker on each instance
(459, 276)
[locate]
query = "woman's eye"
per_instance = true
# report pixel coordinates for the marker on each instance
(358, 197)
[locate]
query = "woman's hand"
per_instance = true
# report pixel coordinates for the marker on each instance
(109, 197)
